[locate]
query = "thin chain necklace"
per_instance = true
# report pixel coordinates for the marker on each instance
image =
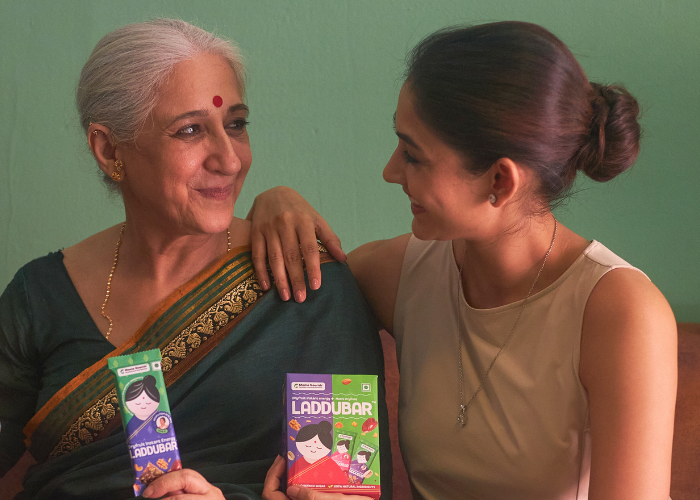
(114, 267)
(462, 417)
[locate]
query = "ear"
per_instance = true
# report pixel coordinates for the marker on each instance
(506, 178)
(103, 148)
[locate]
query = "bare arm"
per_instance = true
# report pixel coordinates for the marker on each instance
(285, 229)
(629, 367)
(377, 269)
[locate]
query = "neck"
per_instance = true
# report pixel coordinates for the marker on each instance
(501, 270)
(163, 258)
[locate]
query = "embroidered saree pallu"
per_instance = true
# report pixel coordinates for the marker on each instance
(185, 327)
(226, 347)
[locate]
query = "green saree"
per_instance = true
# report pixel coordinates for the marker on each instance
(226, 347)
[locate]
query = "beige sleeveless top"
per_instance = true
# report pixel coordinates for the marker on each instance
(527, 431)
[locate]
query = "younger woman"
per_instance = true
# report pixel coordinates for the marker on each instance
(535, 364)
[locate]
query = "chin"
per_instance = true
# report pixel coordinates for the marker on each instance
(423, 231)
(215, 223)
(430, 230)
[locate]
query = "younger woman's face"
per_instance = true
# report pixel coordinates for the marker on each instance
(447, 202)
(313, 449)
(143, 406)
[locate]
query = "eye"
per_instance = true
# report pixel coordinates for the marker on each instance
(238, 125)
(188, 130)
(408, 158)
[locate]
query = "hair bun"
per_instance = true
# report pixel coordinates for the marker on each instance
(149, 381)
(324, 426)
(613, 143)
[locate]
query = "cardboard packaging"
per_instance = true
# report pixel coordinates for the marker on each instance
(332, 433)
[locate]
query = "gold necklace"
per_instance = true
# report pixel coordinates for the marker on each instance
(114, 267)
(462, 417)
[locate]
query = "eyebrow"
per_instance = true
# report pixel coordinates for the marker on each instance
(405, 138)
(203, 112)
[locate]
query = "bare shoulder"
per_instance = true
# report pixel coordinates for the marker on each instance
(625, 313)
(377, 268)
(625, 303)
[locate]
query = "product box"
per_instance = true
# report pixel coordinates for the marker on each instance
(145, 411)
(332, 433)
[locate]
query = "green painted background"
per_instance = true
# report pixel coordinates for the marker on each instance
(323, 81)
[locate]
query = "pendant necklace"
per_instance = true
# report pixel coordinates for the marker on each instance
(462, 417)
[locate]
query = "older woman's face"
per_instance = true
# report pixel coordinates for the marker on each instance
(186, 168)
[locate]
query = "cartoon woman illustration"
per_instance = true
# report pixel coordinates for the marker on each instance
(314, 443)
(362, 457)
(341, 455)
(359, 469)
(142, 399)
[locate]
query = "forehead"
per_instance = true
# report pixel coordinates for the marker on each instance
(406, 119)
(193, 84)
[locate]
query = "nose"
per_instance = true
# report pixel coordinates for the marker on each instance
(223, 157)
(393, 172)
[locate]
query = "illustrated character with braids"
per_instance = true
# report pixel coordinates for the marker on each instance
(314, 443)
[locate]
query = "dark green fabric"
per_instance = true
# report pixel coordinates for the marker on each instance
(227, 410)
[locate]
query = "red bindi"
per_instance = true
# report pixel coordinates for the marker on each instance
(218, 101)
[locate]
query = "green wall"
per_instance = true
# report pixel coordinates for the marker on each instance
(323, 81)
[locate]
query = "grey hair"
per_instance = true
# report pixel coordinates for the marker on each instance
(119, 84)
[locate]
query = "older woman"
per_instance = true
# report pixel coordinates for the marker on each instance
(544, 363)
(162, 104)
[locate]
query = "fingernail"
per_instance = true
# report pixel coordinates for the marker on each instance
(285, 294)
(315, 283)
(264, 284)
(293, 491)
(147, 492)
(300, 296)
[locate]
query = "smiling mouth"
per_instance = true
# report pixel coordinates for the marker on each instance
(215, 193)
(416, 208)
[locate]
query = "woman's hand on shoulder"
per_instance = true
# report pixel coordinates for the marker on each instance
(271, 490)
(377, 268)
(628, 365)
(285, 232)
(183, 484)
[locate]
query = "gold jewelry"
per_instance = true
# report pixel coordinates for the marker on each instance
(462, 418)
(94, 132)
(114, 267)
(117, 174)
(109, 281)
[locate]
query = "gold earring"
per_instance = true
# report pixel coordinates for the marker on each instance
(117, 174)
(94, 132)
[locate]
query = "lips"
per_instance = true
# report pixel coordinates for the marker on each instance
(415, 207)
(215, 193)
